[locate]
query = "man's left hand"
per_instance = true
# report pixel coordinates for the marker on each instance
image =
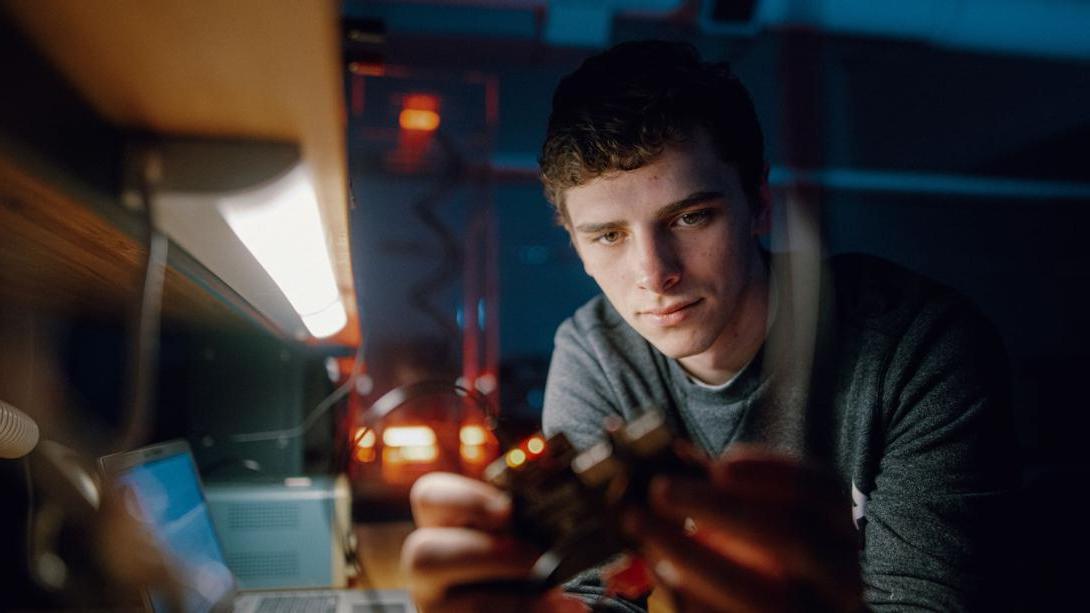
(767, 534)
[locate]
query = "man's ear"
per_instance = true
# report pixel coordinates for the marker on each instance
(762, 210)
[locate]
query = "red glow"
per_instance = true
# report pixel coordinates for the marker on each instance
(419, 112)
(419, 120)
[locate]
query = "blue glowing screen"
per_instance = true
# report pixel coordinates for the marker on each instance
(169, 499)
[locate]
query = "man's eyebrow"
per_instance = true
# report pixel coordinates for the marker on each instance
(695, 198)
(594, 228)
(666, 211)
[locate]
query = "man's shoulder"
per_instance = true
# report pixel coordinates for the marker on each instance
(599, 329)
(870, 289)
(596, 317)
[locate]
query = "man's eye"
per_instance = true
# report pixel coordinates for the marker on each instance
(608, 238)
(693, 218)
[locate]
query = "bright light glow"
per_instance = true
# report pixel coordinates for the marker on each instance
(365, 438)
(472, 435)
(281, 225)
(403, 455)
(408, 436)
(535, 445)
(515, 458)
(472, 453)
(419, 120)
(365, 454)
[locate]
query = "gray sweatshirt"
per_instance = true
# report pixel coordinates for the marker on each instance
(906, 401)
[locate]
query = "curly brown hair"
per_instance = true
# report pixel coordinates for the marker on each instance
(622, 107)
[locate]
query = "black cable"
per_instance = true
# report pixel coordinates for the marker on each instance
(145, 334)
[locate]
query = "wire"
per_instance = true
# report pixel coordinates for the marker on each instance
(401, 395)
(145, 335)
(306, 424)
(324, 405)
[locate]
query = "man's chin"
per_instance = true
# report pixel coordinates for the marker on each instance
(675, 348)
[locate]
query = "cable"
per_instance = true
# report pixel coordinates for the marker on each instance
(402, 394)
(319, 409)
(145, 339)
(299, 430)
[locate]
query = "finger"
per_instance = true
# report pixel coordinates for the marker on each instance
(726, 508)
(809, 542)
(445, 499)
(437, 559)
(776, 477)
(698, 573)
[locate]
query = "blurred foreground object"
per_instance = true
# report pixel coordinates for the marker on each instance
(18, 432)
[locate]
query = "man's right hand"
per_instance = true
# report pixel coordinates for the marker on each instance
(463, 556)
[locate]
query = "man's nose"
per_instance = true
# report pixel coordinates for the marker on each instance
(658, 266)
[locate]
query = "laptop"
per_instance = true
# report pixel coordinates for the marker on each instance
(166, 487)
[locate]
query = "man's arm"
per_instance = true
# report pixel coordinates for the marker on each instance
(937, 522)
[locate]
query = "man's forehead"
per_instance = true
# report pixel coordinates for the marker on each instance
(676, 175)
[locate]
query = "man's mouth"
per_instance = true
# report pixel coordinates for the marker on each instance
(670, 315)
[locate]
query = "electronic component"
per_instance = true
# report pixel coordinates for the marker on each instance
(570, 502)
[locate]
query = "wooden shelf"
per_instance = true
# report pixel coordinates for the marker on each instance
(58, 254)
(246, 69)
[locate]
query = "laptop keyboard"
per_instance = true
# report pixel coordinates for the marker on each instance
(297, 604)
(322, 603)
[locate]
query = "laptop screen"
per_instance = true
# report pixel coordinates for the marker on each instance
(169, 499)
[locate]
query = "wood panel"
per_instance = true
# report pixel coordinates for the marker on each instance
(244, 69)
(58, 254)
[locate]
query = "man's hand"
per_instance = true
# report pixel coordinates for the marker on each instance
(463, 557)
(767, 534)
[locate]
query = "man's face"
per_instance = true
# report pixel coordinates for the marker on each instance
(672, 245)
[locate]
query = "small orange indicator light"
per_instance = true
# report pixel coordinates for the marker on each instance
(535, 445)
(515, 458)
(418, 120)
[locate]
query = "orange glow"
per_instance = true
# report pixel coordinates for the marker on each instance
(419, 120)
(515, 458)
(392, 456)
(365, 438)
(472, 435)
(366, 69)
(535, 445)
(472, 453)
(408, 436)
(365, 454)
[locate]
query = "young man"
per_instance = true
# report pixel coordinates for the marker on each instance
(655, 163)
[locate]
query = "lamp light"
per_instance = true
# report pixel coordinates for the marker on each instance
(244, 208)
(281, 225)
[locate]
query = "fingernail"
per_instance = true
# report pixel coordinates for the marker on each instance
(667, 572)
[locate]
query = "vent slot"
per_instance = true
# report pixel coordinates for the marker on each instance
(271, 564)
(268, 516)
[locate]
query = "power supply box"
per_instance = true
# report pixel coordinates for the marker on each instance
(285, 534)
